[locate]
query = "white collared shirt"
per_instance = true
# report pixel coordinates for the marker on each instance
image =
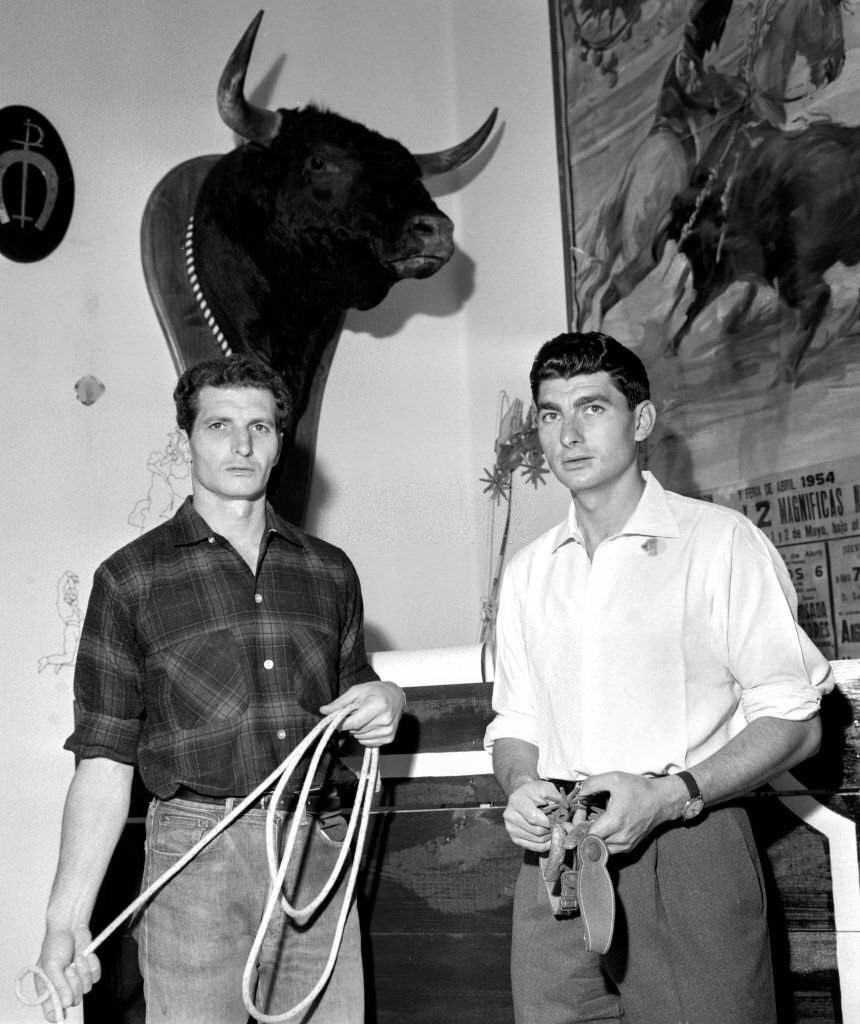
(649, 657)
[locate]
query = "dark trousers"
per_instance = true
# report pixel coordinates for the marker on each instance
(690, 946)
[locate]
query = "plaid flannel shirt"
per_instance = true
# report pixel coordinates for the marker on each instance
(203, 674)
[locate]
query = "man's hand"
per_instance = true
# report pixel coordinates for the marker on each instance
(378, 707)
(70, 972)
(636, 806)
(527, 824)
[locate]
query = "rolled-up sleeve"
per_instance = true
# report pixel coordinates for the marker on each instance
(354, 664)
(513, 694)
(108, 707)
(780, 672)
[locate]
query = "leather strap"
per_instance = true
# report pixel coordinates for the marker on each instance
(595, 894)
(319, 801)
(574, 870)
(585, 888)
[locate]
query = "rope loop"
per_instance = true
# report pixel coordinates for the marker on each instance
(278, 871)
(321, 733)
(49, 995)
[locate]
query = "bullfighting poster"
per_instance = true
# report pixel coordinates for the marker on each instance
(709, 157)
(812, 515)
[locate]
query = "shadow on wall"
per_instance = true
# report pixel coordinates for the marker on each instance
(440, 296)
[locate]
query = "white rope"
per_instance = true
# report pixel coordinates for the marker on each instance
(277, 872)
(49, 995)
(281, 775)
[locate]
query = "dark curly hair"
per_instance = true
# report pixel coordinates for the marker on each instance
(568, 355)
(235, 371)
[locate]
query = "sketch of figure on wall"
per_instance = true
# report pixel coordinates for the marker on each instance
(69, 611)
(169, 471)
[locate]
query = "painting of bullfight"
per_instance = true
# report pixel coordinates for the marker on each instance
(710, 172)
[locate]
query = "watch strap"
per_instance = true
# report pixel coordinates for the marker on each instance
(691, 784)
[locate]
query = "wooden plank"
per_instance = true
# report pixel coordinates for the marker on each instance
(444, 718)
(447, 872)
(450, 978)
(442, 793)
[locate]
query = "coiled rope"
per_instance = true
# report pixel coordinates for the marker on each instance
(321, 733)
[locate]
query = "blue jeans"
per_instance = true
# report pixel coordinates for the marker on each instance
(196, 932)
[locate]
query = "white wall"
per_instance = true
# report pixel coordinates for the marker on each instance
(403, 450)
(409, 417)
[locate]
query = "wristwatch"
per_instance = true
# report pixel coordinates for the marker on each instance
(696, 804)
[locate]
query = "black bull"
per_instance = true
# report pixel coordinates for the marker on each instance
(261, 251)
(788, 212)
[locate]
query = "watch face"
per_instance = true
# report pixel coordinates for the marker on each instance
(693, 808)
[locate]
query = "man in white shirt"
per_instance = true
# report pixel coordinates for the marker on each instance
(648, 647)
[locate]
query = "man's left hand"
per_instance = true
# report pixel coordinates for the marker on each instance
(637, 804)
(377, 709)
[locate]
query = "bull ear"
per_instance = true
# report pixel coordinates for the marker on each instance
(456, 156)
(255, 124)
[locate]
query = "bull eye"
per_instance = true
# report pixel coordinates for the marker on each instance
(317, 164)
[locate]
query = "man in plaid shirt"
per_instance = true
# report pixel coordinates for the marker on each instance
(211, 646)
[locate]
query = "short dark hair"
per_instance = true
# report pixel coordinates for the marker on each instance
(568, 355)
(236, 371)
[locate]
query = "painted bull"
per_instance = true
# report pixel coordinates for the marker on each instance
(312, 215)
(695, 106)
(791, 212)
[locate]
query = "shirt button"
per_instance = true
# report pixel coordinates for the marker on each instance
(282, 734)
(211, 540)
(258, 598)
(268, 663)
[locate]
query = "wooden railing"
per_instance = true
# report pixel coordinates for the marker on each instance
(436, 891)
(440, 869)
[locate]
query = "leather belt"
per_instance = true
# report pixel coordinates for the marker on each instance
(318, 802)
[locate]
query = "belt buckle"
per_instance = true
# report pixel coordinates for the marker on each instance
(318, 801)
(267, 799)
(288, 802)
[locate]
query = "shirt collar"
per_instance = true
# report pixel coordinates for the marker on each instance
(652, 517)
(189, 527)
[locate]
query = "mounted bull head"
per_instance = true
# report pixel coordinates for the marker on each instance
(313, 215)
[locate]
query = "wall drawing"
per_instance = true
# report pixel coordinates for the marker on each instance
(169, 484)
(70, 614)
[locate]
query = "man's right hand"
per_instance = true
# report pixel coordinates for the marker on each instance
(524, 817)
(70, 972)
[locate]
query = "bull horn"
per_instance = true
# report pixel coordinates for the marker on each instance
(253, 123)
(456, 156)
